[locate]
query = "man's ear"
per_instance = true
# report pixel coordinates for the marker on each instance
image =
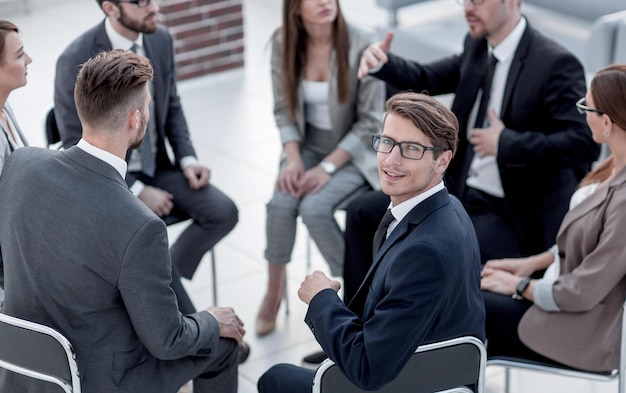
(111, 9)
(134, 119)
(444, 160)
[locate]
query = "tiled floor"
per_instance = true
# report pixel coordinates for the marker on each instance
(230, 116)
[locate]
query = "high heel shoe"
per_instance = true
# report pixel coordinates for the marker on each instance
(263, 326)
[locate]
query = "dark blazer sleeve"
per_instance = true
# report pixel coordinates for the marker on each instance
(372, 352)
(439, 77)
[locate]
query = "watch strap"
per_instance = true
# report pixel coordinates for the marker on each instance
(521, 287)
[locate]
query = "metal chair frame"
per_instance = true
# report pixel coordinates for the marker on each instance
(516, 363)
(430, 369)
(39, 352)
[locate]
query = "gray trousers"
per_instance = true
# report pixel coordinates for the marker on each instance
(317, 212)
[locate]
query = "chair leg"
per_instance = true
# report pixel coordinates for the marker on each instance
(286, 297)
(507, 379)
(308, 252)
(214, 273)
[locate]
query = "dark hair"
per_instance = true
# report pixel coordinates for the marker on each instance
(608, 90)
(109, 85)
(294, 50)
(430, 116)
(6, 27)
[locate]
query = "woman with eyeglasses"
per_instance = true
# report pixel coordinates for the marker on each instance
(325, 116)
(13, 70)
(572, 315)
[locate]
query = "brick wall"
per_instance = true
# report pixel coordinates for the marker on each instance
(208, 35)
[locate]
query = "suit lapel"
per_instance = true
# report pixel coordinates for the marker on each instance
(592, 201)
(411, 220)
(516, 67)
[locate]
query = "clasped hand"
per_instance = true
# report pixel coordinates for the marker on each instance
(502, 275)
(297, 182)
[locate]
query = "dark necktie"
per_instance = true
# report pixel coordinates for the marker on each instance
(381, 232)
(148, 164)
(486, 92)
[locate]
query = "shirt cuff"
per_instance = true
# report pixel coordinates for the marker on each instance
(543, 296)
(187, 161)
(137, 188)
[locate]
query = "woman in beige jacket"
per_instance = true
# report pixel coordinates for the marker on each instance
(572, 316)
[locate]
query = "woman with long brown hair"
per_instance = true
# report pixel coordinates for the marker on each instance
(325, 116)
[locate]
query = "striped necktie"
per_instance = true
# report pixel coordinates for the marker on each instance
(148, 163)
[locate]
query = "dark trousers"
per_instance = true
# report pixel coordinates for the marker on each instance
(286, 378)
(363, 215)
(213, 216)
(494, 225)
(503, 314)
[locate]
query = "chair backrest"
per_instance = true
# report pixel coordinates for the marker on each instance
(52, 131)
(605, 43)
(446, 366)
(620, 373)
(38, 351)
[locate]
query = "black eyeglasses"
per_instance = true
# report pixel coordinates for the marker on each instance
(475, 2)
(138, 3)
(410, 150)
(582, 107)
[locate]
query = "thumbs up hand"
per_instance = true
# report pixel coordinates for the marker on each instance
(374, 55)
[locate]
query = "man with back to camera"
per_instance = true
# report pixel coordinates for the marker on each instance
(424, 285)
(100, 272)
(180, 189)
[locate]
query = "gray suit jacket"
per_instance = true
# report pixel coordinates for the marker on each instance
(5, 145)
(591, 287)
(169, 117)
(83, 255)
(354, 121)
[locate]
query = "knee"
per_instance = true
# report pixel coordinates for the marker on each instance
(271, 380)
(224, 215)
(312, 207)
(230, 215)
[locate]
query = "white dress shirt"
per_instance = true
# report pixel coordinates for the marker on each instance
(484, 174)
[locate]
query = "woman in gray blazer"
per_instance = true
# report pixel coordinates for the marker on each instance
(13, 64)
(572, 316)
(325, 116)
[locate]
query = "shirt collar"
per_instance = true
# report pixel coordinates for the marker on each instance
(117, 163)
(401, 210)
(506, 49)
(118, 41)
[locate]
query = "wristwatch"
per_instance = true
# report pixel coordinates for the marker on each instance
(328, 167)
(521, 287)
